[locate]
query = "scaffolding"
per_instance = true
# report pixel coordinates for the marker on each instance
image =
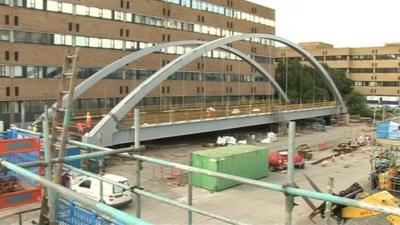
(289, 190)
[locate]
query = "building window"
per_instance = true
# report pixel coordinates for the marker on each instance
(16, 89)
(16, 21)
(126, 89)
(7, 19)
(127, 33)
(122, 3)
(70, 26)
(16, 56)
(121, 32)
(77, 27)
(127, 5)
(7, 55)
(121, 90)
(7, 91)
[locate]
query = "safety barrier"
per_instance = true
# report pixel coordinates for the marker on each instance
(69, 213)
(16, 190)
(323, 146)
(186, 114)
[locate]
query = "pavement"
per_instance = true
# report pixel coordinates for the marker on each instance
(243, 203)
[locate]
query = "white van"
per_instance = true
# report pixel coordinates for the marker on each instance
(112, 195)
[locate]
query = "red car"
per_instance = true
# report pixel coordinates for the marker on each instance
(278, 161)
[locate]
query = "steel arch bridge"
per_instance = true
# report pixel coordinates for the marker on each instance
(105, 132)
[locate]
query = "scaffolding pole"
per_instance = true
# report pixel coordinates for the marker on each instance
(190, 191)
(48, 170)
(70, 195)
(266, 185)
(289, 198)
(76, 157)
(277, 187)
(328, 208)
(73, 142)
(138, 162)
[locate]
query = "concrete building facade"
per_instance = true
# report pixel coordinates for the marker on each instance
(375, 71)
(34, 35)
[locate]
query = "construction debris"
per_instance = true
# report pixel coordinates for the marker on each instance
(305, 151)
(226, 140)
(271, 137)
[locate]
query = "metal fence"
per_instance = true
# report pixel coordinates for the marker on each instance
(70, 213)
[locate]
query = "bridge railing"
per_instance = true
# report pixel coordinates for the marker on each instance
(200, 113)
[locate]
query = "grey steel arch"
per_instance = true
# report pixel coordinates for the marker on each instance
(109, 122)
(107, 70)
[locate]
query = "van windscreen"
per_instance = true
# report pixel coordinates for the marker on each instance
(118, 190)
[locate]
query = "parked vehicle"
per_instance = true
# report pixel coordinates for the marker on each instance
(278, 161)
(319, 125)
(112, 195)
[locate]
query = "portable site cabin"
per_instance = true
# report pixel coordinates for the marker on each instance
(241, 160)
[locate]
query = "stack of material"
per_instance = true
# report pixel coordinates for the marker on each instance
(388, 130)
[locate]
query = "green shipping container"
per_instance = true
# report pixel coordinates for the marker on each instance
(241, 160)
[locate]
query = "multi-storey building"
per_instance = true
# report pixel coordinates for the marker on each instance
(375, 71)
(34, 35)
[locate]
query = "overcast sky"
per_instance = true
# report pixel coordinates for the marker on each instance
(344, 23)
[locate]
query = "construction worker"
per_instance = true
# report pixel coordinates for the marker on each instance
(88, 121)
(35, 128)
(210, 111)
(130, 114)
(80, 127)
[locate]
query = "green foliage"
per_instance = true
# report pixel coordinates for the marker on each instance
(306, 84)
(303, 82)
(357, 104)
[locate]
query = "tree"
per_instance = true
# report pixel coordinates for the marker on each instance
(356, 103)
(306, 84)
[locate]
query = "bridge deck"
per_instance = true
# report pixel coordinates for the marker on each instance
(181, 120)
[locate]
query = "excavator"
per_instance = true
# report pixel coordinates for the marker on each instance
(344, 213)
(380, 198)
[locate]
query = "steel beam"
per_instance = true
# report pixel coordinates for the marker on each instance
(112, 67)
(165, 130)
(107, 126)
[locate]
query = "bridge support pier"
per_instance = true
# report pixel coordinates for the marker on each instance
(343, 119)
